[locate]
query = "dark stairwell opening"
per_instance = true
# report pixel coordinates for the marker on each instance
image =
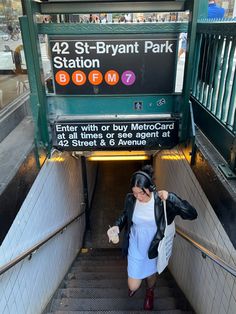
(113, 182)
(97, 280)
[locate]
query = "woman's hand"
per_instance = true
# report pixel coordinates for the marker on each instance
(113, 234)
(163, 195)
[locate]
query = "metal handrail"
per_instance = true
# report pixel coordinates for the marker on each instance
(34, 248)
(206, 253)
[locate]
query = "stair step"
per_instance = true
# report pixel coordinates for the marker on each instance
(100, 262)
(123, 312)
(96, 275)
(113, 292)
(99, 252)
(100, 268)
(103, 275)
(100, 257)
(107, 283)
(97, 284)
(127, 304)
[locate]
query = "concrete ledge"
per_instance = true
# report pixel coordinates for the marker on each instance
(14, 149)
(13, 114)
(18, 170)
(220, 191)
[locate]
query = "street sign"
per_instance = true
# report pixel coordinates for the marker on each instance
(115, 135)
(117, 64)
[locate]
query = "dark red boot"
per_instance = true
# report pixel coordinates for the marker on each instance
(149, 299)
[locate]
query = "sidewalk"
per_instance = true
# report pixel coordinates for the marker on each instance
(11, 86)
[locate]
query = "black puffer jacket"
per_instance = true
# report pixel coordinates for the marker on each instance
(174, 206)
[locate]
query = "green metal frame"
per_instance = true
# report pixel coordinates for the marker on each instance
(188, 71)
(46, 107)
(214, 85)
(81, 105)
(112, 6)
(34, 66)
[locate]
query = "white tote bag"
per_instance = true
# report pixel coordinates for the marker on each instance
(165, 245)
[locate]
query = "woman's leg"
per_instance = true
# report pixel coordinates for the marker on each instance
(149, 298)
(151, 281)
(133, 285)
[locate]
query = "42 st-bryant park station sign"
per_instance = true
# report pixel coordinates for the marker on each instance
(117, 135)
(141, 64)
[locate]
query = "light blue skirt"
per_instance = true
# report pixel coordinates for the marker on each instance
(139, 265)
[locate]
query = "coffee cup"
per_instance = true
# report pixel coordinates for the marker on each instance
(113, 234)
(115, 238)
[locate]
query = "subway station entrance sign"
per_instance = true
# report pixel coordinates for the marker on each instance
(106, 65)
(117, 135)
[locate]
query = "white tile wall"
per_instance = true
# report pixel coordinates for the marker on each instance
(54, 199)
(209, 289)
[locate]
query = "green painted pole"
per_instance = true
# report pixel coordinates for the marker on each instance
(231, 121)
(215, 42)
(225, 107)
(35, 73)
(188, 71)
(196, 59)
(224, 67)
(216, 81)
(202, 9)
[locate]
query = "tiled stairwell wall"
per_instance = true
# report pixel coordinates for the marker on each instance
(91, 170)
(55, 197)
(209, 288)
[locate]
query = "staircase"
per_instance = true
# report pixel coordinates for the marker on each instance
(97, 283)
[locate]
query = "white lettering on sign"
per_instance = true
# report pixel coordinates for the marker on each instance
(112, 77)
(158, 48)
(89, 127)
(82, 48)
(65, 128)
(132, 143)
(143, 135)
(120, 127)
(120, 64)
(79, 143)
(102, 47)
(116, 134)
(156, 126)
(114, 49)
(61, 48)
(78, 62)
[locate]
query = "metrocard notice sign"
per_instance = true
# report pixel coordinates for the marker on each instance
(117, 135)
(122, 64)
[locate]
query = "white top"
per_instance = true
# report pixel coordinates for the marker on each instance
(144, 211)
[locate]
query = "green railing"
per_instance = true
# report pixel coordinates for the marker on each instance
(214, 84)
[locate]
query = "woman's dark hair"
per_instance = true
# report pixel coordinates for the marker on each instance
(143, 179)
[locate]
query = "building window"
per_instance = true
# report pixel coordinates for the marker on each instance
(13, 74)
